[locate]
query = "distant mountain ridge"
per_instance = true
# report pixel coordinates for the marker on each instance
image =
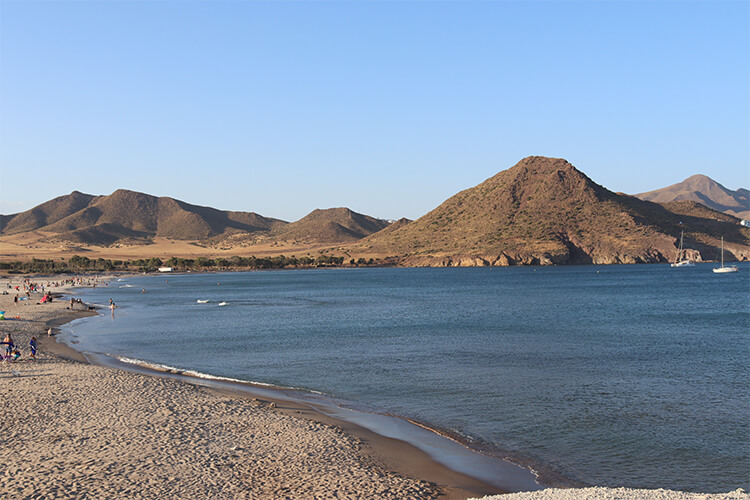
(129, 215)
(704, 190)
(545, 211)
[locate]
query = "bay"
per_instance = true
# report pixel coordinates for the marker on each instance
(609, 375)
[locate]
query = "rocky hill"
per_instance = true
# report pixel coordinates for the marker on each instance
(544, 211)
(132, 216)
(333, 225)
(706, 191)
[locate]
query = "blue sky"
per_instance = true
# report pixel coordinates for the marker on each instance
(388, 107)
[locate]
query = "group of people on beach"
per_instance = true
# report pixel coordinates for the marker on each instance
(73, 303)
(28, 287)
(11, 351)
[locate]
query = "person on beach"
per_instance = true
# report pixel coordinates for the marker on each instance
(32, 348)
(8, 341)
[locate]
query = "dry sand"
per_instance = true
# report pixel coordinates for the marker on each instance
(76, 430)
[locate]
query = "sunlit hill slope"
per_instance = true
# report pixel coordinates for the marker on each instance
(545, 211)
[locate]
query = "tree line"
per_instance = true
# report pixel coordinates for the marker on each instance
(78, 263)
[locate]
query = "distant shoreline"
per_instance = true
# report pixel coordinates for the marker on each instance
(10, 274)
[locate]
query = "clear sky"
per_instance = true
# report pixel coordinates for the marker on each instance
(385, 107)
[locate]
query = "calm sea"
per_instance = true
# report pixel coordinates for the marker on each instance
(631, 375)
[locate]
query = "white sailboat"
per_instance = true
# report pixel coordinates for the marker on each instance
(723, 268)
(681, 260)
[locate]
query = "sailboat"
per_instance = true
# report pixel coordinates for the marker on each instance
(681, 260)
(723, 268)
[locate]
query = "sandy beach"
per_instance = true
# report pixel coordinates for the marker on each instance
(77, 430)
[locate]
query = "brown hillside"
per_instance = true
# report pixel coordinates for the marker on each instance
(105, 234)
(706, 191)
(333, 225)
(45, 214)
(543, 211)
(128, 215)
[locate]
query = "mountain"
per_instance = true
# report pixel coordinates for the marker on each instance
(45, 214)
(706, 191)
(129, 215)
(545, 211)
(333, 225)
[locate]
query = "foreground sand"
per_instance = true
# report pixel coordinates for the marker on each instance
(75, 430)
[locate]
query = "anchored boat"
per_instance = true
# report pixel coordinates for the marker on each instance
(723, 268)
(681, 260)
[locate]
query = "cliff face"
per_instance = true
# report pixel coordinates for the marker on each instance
(544, 211)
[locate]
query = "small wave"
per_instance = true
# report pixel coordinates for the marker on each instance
(126, 286)
(180, 371)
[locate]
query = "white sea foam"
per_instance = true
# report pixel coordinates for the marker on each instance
(193, 373)
(181, 371)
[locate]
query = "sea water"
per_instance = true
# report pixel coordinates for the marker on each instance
(630, 375)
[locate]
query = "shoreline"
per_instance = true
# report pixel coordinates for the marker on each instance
(394, 455)
(473, 468)
(432, 446)
(402, 457)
